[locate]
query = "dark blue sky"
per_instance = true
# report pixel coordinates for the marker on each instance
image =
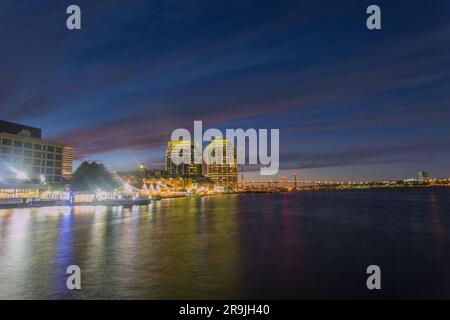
(350, 103)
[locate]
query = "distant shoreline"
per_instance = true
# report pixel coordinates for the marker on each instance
(356, 187)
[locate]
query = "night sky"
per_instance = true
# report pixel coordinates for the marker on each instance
(350, 103)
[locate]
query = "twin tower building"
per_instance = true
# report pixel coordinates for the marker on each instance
(223, 173)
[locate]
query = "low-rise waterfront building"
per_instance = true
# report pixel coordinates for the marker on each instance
(26, 158)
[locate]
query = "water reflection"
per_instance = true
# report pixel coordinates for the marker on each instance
(235, 246)
(169, 249)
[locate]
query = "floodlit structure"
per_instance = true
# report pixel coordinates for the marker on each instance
(26, 158)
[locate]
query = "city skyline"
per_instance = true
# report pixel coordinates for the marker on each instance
(350, 104)
(21, 136)
(228, 158)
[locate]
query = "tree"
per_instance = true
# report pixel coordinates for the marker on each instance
(92, 177)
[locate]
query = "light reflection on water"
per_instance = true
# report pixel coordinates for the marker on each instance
(297, 245)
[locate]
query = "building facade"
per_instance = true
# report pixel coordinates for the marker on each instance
(26, 158)
(194, 169)
(422, 175)
(223, 171)
(67, 165)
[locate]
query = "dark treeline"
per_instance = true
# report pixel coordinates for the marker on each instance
(92, 176)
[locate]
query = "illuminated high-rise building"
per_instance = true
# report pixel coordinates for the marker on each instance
(224, 169)
(193, 169)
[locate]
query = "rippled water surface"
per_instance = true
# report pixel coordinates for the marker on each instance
(294, 245)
